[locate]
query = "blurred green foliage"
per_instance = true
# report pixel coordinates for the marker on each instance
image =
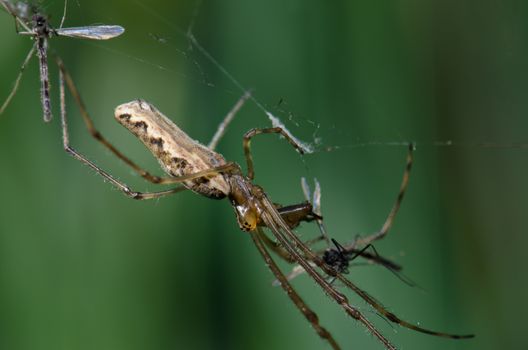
(83, 267)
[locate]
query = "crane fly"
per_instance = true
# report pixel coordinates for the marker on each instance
(36, 25)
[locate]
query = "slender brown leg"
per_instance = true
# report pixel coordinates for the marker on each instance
(19, 77)
(100, 138)
(285, 237)
(276, 247)
(293, 215)
(227, 120)
(252, 133)
(122, 186)
(390, 218)
(96, 134)
(316, 201)
(66, 77)
(304, 256)
(295, 298)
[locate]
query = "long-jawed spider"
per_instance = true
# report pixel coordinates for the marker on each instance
(202, 170)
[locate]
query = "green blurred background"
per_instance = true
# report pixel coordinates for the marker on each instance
(83, 267)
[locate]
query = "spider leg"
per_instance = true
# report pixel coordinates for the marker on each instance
(19, 77)
(122, 186)
(392, 214)
(392, 317)
(293, 215)
(292, 294)
(100, 138)
(291, 242)
(93, 131)
(252, 133)
(66, 77)
(316, 203)
(222, 127)
(275, 246)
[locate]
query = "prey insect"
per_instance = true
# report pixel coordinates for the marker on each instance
(340, 256)
(336, 255)
(36, 25)
(202, 170)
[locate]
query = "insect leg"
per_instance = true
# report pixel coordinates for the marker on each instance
(18, 21)
(17, 81)
(42, 53)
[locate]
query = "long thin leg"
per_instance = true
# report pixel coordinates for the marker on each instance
(94, 132)
(350, 249)
(281, 231)
(276, 248)
(17, 81)
(18, 21)
(252, 133)
(227, 120)
(293, 215)
(122, 186)
(64, 13)
(291, 243)
(100, 138)
(42, 53)
(295, 298)
(390, 218)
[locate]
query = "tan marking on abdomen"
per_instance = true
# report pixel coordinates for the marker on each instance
(176, 152)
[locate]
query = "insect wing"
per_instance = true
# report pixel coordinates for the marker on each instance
(101, 32)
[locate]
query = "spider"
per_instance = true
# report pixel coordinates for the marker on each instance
(202, 170)
(36, 25)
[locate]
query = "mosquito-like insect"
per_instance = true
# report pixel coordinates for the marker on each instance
(206, 172)
(337, 255)
(36, 25)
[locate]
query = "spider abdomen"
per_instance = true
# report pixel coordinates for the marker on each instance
(176, 152)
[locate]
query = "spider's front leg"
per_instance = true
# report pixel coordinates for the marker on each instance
(254, 132)
(119, 184)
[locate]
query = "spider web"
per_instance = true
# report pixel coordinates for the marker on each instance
(493, 138)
